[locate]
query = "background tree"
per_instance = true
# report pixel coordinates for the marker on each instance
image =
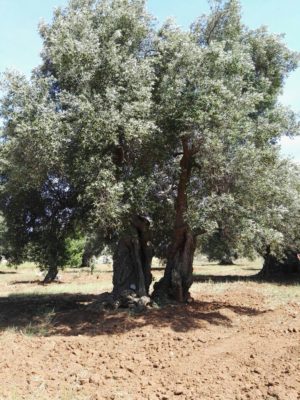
(75, 248)
(215, 99)
(107, 111)
(37, 201)
(267, 219)
(82, 119)
(4, 246)
(282, 244)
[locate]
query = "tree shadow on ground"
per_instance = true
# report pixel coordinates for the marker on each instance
(70, 315)
(33, 281)
(226, 278)
(7, 272)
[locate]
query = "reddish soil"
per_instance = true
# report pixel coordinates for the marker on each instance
(225, 346)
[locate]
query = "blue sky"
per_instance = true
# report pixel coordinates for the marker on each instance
(20, 43)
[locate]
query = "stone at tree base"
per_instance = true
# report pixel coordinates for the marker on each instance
(105, 301)
(127, 299)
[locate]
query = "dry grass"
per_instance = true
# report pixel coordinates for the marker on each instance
(27, 280)
(219, 279)
(210, 278)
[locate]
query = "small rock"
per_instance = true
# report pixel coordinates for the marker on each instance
(179, 338)
(178, 392)
(257, 371)
(94, 380)
(144, 301)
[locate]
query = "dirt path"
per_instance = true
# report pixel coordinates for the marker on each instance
(225, 346)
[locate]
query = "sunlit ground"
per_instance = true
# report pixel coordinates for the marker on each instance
(210, 278)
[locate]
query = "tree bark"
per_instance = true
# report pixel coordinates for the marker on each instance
(132, 262)
(178, 276)
(287, 268)
(51, 274)
(226, 260)
(87, 258)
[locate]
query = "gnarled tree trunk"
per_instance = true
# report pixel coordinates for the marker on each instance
(287, 268)
(86, 260)
(132, 263)
(178, 276)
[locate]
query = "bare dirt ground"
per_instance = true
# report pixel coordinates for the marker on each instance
(240, 339)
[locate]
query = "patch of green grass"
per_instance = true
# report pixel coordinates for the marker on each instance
(40, 327)
(12, 329)
(35, 330)
(274, 294)
(277, 295)
(22, 267)
(233, 278)
(241, 267)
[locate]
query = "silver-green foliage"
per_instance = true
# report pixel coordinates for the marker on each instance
(217, 91)
(67, 125)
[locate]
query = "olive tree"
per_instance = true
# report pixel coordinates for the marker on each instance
(216, 100)
(139, 126)
(78, 125)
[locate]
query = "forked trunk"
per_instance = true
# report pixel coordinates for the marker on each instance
(178, 276)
